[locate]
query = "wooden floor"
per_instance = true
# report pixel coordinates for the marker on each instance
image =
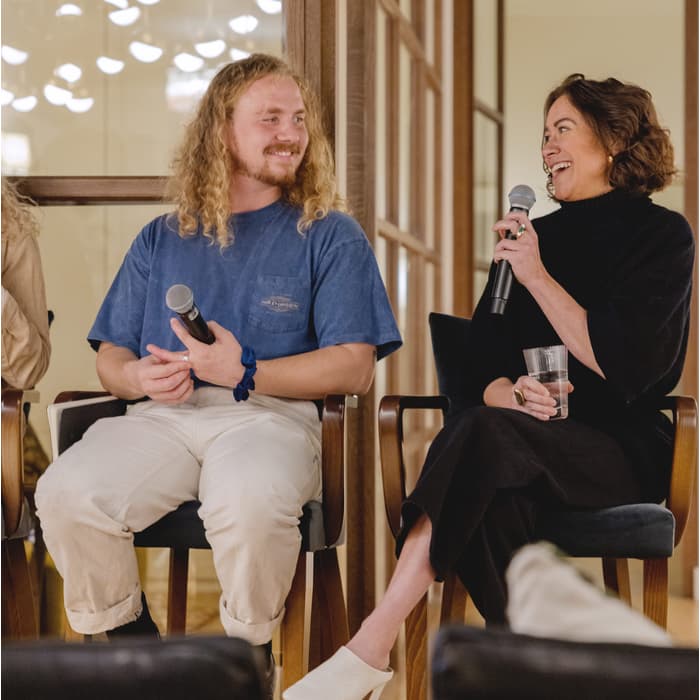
(203, 615)
(203, 618)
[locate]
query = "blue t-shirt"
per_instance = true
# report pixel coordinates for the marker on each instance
(279, 292)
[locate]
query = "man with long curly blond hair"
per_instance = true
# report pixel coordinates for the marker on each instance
(298, 311)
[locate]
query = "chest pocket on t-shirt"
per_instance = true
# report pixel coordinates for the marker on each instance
(280, 304)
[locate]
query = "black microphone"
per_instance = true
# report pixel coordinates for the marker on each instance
(521, 198)
(180, 299)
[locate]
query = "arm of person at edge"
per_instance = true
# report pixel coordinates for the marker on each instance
(165, 377)
(26, 347)
(568, 318)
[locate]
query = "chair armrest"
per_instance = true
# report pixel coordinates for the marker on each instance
(66, 396)
(333, 463)
(685, 459)
(13, 424)
(12, 458)
(391, 409)
(73, 412)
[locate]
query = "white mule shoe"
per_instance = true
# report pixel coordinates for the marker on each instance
(345, 676)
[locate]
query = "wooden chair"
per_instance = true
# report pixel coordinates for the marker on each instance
(19, 597)
(321, 527)
(643, 531)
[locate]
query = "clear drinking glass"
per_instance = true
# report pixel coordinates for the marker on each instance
(548, 365)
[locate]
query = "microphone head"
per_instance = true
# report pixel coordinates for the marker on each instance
(179, 298)
(522, 196)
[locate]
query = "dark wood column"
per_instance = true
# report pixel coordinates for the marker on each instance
(689, 381)
(360, 520)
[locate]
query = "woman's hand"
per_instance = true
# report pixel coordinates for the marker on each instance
(527, 395)
(519, 245)
(530, 396)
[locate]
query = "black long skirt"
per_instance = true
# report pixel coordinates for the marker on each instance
(488, 473)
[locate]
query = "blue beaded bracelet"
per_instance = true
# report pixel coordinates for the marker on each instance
(242, 390)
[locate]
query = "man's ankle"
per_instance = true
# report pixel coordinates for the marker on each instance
(268, 667)
(142, 626)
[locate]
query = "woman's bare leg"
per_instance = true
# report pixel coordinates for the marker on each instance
(409, 583)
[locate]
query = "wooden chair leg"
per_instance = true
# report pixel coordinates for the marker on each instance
(454, 600)
(329, 620)
(19, 619)
(417, 652)
(292, 629)
(617, 578)
(37, 569)
(177, 590)
(656, 590)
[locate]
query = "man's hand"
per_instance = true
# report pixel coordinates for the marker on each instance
(123, 374)
(218, 363)
(164, 382)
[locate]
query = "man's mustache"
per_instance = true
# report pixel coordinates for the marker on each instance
(273, 150)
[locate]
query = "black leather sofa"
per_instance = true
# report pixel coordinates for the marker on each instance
(494, 664)
(178, 668)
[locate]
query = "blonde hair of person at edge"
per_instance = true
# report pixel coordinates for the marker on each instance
(26, 348)
(609, 276)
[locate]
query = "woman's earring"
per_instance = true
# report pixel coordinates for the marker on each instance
(610, 160)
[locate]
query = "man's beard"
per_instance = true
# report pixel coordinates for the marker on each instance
(265, 174)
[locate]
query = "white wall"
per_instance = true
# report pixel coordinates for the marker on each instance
(638, 41)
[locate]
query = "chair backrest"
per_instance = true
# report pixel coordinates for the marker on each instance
(450, 338)
(499, 665)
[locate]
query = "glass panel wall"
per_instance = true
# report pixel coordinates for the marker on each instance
(488, 135)
(81, 97)
(486, 197)
(103, 87)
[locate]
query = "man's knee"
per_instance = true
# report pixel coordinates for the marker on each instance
(58, 504)
(253, 514)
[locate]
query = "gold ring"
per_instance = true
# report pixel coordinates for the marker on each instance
(519, 397)
(520, 231)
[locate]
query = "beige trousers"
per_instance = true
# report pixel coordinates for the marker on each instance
(252, 465)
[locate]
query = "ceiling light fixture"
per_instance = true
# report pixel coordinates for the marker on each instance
(6, 97)
(243, 24)
(188, 63)
(69, 72)
(25, 104)
(57, 96)
(145, 52)
(271, 7)
(68, 9)
(121, 4)
(81, 103)
(238, 54)
(15, 57)
(210, 49)
(123, 18)
(110, 66)
(149, 2)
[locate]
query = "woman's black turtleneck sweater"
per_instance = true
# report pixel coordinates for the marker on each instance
(628, 262)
